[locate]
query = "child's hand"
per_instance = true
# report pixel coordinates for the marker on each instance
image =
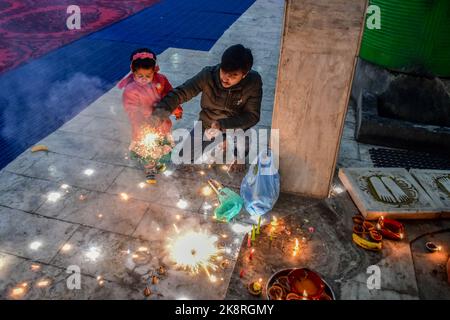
(178, 112)
(164, 127)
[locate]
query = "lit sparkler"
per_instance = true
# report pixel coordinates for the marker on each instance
(153, 145)
(194, 251)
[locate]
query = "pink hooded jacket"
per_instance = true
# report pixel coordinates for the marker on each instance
(139, 100)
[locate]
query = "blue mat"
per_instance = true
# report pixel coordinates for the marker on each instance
(40, 96)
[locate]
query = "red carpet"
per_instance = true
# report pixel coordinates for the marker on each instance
(29, 29)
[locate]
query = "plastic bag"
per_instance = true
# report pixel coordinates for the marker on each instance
(260, 187)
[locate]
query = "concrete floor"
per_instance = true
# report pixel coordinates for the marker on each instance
(82, 204)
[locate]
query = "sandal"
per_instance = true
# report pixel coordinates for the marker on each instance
(150, 178)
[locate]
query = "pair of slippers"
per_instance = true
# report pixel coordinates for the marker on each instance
(150, 177)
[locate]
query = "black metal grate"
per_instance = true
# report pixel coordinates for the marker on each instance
(383, 158)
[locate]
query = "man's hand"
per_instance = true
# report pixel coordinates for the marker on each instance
(215, 125)
(214, 131)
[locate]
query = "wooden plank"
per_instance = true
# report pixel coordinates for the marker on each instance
(318, 53)
(418, 206)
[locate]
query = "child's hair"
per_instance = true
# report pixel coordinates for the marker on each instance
(142, 63)
(237, 58)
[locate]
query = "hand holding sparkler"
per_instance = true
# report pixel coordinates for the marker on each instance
(178, 112)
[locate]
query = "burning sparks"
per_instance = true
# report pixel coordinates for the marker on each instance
(176, 228)
(153, 145)
(194, 251)
(124, 196)
(142, 185)
(182, 204)
(150, 139)
(53, 196)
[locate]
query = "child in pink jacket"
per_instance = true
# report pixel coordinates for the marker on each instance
(143, 88)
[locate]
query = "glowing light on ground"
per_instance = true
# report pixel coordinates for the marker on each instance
(66, 247)
(207, 191)
(100, 280)
(182, 204)
(168, 173)
(93, 253)
(150, 139)
(124, 196)
(89, 172)
(17, 292)
(142, 185)
(35, 267)
(43, 283)
(35, 245)
(53, 196)
(207, 206)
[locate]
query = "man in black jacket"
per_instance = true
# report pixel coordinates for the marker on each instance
(231, 93)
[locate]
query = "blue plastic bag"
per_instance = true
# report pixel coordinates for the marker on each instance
(260, 187)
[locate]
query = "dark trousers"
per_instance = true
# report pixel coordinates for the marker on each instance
(205, 143)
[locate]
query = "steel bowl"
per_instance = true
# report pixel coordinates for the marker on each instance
(284, 272)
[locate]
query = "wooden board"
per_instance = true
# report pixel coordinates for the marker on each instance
(419, 204)
(318, 53)
(428, 179)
